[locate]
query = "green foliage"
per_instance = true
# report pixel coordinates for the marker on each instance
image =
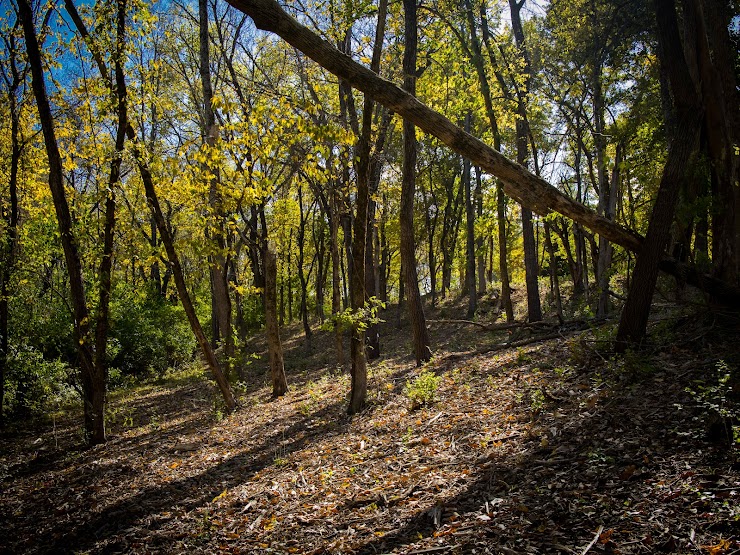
(423, 389)
(350, 319)
(34, 384)
(148, 334)
(716, 399)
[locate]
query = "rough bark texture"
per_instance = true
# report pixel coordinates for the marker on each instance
(422, 350)
(274, 346)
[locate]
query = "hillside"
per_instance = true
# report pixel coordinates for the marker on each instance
(552, 447)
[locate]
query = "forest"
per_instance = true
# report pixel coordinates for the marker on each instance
(360, 276)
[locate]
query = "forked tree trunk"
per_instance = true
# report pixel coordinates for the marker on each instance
(93, 384)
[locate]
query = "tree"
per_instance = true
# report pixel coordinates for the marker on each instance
(689, 114)
(91, 350)
(159, 218)
(422, 350)
(220, 300)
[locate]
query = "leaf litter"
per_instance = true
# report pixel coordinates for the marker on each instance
(552, 447)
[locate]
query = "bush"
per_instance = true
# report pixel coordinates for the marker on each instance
(33, 384)
(148, 334)
(423, 389)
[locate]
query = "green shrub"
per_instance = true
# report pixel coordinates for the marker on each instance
(34, 384)
(423, 389)
(148, 334)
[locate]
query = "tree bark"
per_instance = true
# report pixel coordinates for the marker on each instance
(422, 349)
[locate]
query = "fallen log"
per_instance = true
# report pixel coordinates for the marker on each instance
(519, 183)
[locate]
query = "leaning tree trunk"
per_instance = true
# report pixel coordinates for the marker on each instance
(518, 183)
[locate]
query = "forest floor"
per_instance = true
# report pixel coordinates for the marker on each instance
(555, 446)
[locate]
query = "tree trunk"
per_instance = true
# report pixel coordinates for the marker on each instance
(336, 293)
(92, 382)
(422, 349)
(302, 278)
(554, 280)
(606, 248)
(469, 234)
(220, 299)
(503, 249)
(272, 328)
(633, 323)
(531, 269)
(480, 252)
(9, 245)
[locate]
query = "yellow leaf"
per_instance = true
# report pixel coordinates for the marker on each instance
(174, 465)
(219, 496)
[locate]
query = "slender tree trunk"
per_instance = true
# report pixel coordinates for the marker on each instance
(92, 382)
(336, 293)
(302, 278)
(220, 299)
(372, 335)
(534, 308)
(422, 349)
(272, 328)
(10, 241)
(605, 247)
(469, 233)
(479, 244)
(554, 273)
(503, 249)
